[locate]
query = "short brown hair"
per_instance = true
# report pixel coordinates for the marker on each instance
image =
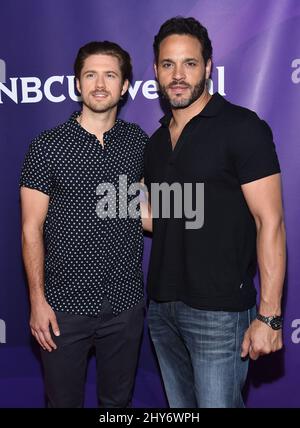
(105, 48)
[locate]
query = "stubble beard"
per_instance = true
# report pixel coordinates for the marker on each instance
(102, 107)
(195, 93)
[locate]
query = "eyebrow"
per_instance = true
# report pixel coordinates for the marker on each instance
(185, 60)
(191, 59)
(106, 71)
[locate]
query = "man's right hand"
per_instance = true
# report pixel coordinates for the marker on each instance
(42, 316)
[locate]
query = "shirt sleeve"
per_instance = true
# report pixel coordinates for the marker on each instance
(36, 172)
(254, 151)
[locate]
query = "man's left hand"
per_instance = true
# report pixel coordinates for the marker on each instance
(260, 339)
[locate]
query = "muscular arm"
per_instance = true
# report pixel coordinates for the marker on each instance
(34, 210)
(264, 201)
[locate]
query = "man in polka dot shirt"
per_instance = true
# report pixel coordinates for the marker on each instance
(84, 264)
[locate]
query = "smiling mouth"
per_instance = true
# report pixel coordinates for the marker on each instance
(100, 95)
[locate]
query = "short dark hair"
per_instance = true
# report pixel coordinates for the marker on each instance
(181, 25)
(106, 48)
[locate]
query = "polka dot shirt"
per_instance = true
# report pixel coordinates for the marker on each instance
(88, 257)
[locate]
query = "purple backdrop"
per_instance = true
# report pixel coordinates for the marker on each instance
(256, 64)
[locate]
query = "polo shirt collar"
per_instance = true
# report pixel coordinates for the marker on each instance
(75, 126)
(212, 109)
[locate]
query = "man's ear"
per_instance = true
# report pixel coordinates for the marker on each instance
(78, 86)
(208, 69)
(125, 87)
(155, 69)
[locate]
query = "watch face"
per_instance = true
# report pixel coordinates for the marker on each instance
(276, 323)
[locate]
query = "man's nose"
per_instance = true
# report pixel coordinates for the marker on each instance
(178, 72)
(100, 82)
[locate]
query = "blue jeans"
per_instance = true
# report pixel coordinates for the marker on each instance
(199, 354)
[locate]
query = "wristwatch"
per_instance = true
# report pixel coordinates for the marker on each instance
(275, 322)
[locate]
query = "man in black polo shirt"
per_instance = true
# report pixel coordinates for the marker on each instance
(82, 250)
(220, 164)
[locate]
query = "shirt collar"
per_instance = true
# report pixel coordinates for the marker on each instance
(212, 108)
(75, 125)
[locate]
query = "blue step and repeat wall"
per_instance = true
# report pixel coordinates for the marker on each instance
(256, 64)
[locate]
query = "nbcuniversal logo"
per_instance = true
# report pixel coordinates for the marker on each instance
(56, 89)
(2, 71)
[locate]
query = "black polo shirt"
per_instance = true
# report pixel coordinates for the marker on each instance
(211, 267)
(88, 257)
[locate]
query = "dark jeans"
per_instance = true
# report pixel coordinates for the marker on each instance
(199, 354)
(116, 340)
